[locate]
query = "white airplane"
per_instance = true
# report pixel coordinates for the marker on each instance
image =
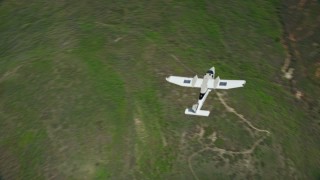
(206, 84)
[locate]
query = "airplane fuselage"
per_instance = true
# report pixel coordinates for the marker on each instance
(204, 86)
(204, 91)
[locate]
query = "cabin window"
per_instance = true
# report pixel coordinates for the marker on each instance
(210, 72)
(187, 81)
(223, 84)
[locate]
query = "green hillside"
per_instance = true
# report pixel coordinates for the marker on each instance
(83, 92)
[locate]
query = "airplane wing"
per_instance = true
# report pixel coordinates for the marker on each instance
(228, 84)
(185, 81)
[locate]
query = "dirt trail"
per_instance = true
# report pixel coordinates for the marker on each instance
(220, 150)
(232, 110)
(224, 151)
(10, 73)
(294, 32)
(286, 69)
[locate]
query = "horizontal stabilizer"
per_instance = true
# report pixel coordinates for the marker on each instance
(189, 111)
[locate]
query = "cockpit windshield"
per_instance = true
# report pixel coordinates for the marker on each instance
(210, 72)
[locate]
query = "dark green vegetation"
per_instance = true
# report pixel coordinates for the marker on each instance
(83, 92)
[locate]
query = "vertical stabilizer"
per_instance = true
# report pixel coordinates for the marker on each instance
(195, 107)
(216, 82)
(194, 80)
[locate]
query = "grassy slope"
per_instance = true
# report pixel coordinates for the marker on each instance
(79, 103)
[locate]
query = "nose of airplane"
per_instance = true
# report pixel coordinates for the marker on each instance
(213, 70)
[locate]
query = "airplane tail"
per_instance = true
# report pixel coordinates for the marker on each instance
(195, 111)
(195, 107)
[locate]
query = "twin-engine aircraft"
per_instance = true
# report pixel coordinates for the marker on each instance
(206, 84)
